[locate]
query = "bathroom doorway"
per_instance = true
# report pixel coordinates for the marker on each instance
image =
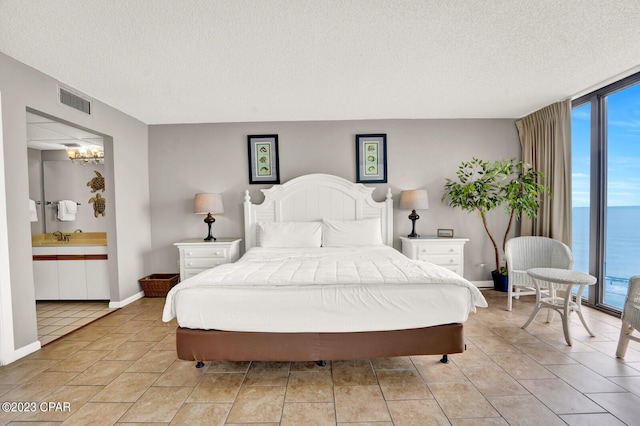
(68, 225)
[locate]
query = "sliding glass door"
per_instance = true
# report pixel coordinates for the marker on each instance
(606, 189)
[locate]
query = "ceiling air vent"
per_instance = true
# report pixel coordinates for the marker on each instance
(74, 101)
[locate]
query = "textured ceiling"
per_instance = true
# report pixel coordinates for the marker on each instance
(167, 61)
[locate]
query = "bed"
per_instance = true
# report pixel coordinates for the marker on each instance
(320, 280)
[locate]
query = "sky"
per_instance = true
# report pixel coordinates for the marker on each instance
(623, 175)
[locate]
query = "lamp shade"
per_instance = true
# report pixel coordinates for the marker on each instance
(415, 199)
(209, 203)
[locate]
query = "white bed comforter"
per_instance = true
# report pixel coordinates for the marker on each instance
(322, 290)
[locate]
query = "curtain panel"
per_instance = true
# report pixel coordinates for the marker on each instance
(545, 137)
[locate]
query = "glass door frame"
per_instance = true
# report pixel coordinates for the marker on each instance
(598, 184)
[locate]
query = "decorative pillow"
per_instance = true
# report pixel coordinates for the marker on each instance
(290, 234)
(348, 233)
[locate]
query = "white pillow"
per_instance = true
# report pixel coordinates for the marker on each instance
(348, 233)
(290, 234)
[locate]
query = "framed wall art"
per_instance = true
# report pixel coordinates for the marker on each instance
(371, 158)
(263, 159)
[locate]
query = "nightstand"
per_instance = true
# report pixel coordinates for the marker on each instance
(197, 255)
(446, 252)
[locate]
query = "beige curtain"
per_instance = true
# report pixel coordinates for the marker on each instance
(545, 137)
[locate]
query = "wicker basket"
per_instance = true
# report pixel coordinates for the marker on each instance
(158, 285)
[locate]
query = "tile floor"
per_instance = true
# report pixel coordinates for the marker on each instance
(123, 369)
(56, 319)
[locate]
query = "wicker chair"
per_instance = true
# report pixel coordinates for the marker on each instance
(524, 253)
(630, 317)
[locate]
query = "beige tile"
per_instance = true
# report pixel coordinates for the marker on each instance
(353, 373)
(545, 354)
(524, 410)
(257, 404)
(396, 363)
(60, 321)
(166, 344)
(39, 386)
(97, 413)
(267, 374)
(151, 334)
(310, 366)
(402, 384)
(59, 350)
(45, 340)
(127, 387)
(461, 400)
(493, 345)
(309, 386)
(101, 373)
(433, 371)
(472, 357)
(157, 404)
(132, 327)
(560, 397)
(584, 379)
(76, 396)
(417, 412)
(486, 421)
(605, 365)
(108, 342)
(228, 367)
(515, 335)
(194, 414)
(360, 404)
(89, 334)
(493, 381)
(130, 351)
(180, 373)
(63, 330)
(521, 366)
(22, 370)
(624, 406)
(599, 419)
(630, 383)
(6, 388)
(221, 387)
(153, 362)
(317, 414)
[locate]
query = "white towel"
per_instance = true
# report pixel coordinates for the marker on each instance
(67, 210)
(33, 213)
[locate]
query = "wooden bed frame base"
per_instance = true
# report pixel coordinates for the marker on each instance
(215, 345)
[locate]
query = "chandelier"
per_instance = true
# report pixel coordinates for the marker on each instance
(85, 156)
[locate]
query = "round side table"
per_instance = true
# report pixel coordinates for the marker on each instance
(565, 305)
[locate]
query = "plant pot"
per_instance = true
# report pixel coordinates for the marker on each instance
(500, 282)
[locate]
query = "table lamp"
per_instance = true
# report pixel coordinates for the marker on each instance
(415, 199)
(209, 204)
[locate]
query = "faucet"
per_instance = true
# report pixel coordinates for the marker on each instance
(77, 231)
(61, 236)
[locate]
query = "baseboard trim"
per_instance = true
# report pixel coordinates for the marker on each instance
(25, 350)
(483, 284)
(125, 302)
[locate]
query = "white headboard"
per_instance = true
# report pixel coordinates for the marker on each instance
(315, 197)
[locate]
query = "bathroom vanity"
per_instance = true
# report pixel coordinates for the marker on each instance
(74, 268)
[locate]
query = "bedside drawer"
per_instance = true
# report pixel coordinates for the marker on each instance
(213, 252)
(203, 263)
(190, 272)
(430, 249)
(441, 259)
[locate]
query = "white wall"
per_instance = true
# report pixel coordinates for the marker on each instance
(126, 143)
(190, 158)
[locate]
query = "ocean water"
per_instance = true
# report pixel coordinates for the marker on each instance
(622, 249)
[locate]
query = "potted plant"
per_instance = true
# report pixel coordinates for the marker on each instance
(482, 186)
